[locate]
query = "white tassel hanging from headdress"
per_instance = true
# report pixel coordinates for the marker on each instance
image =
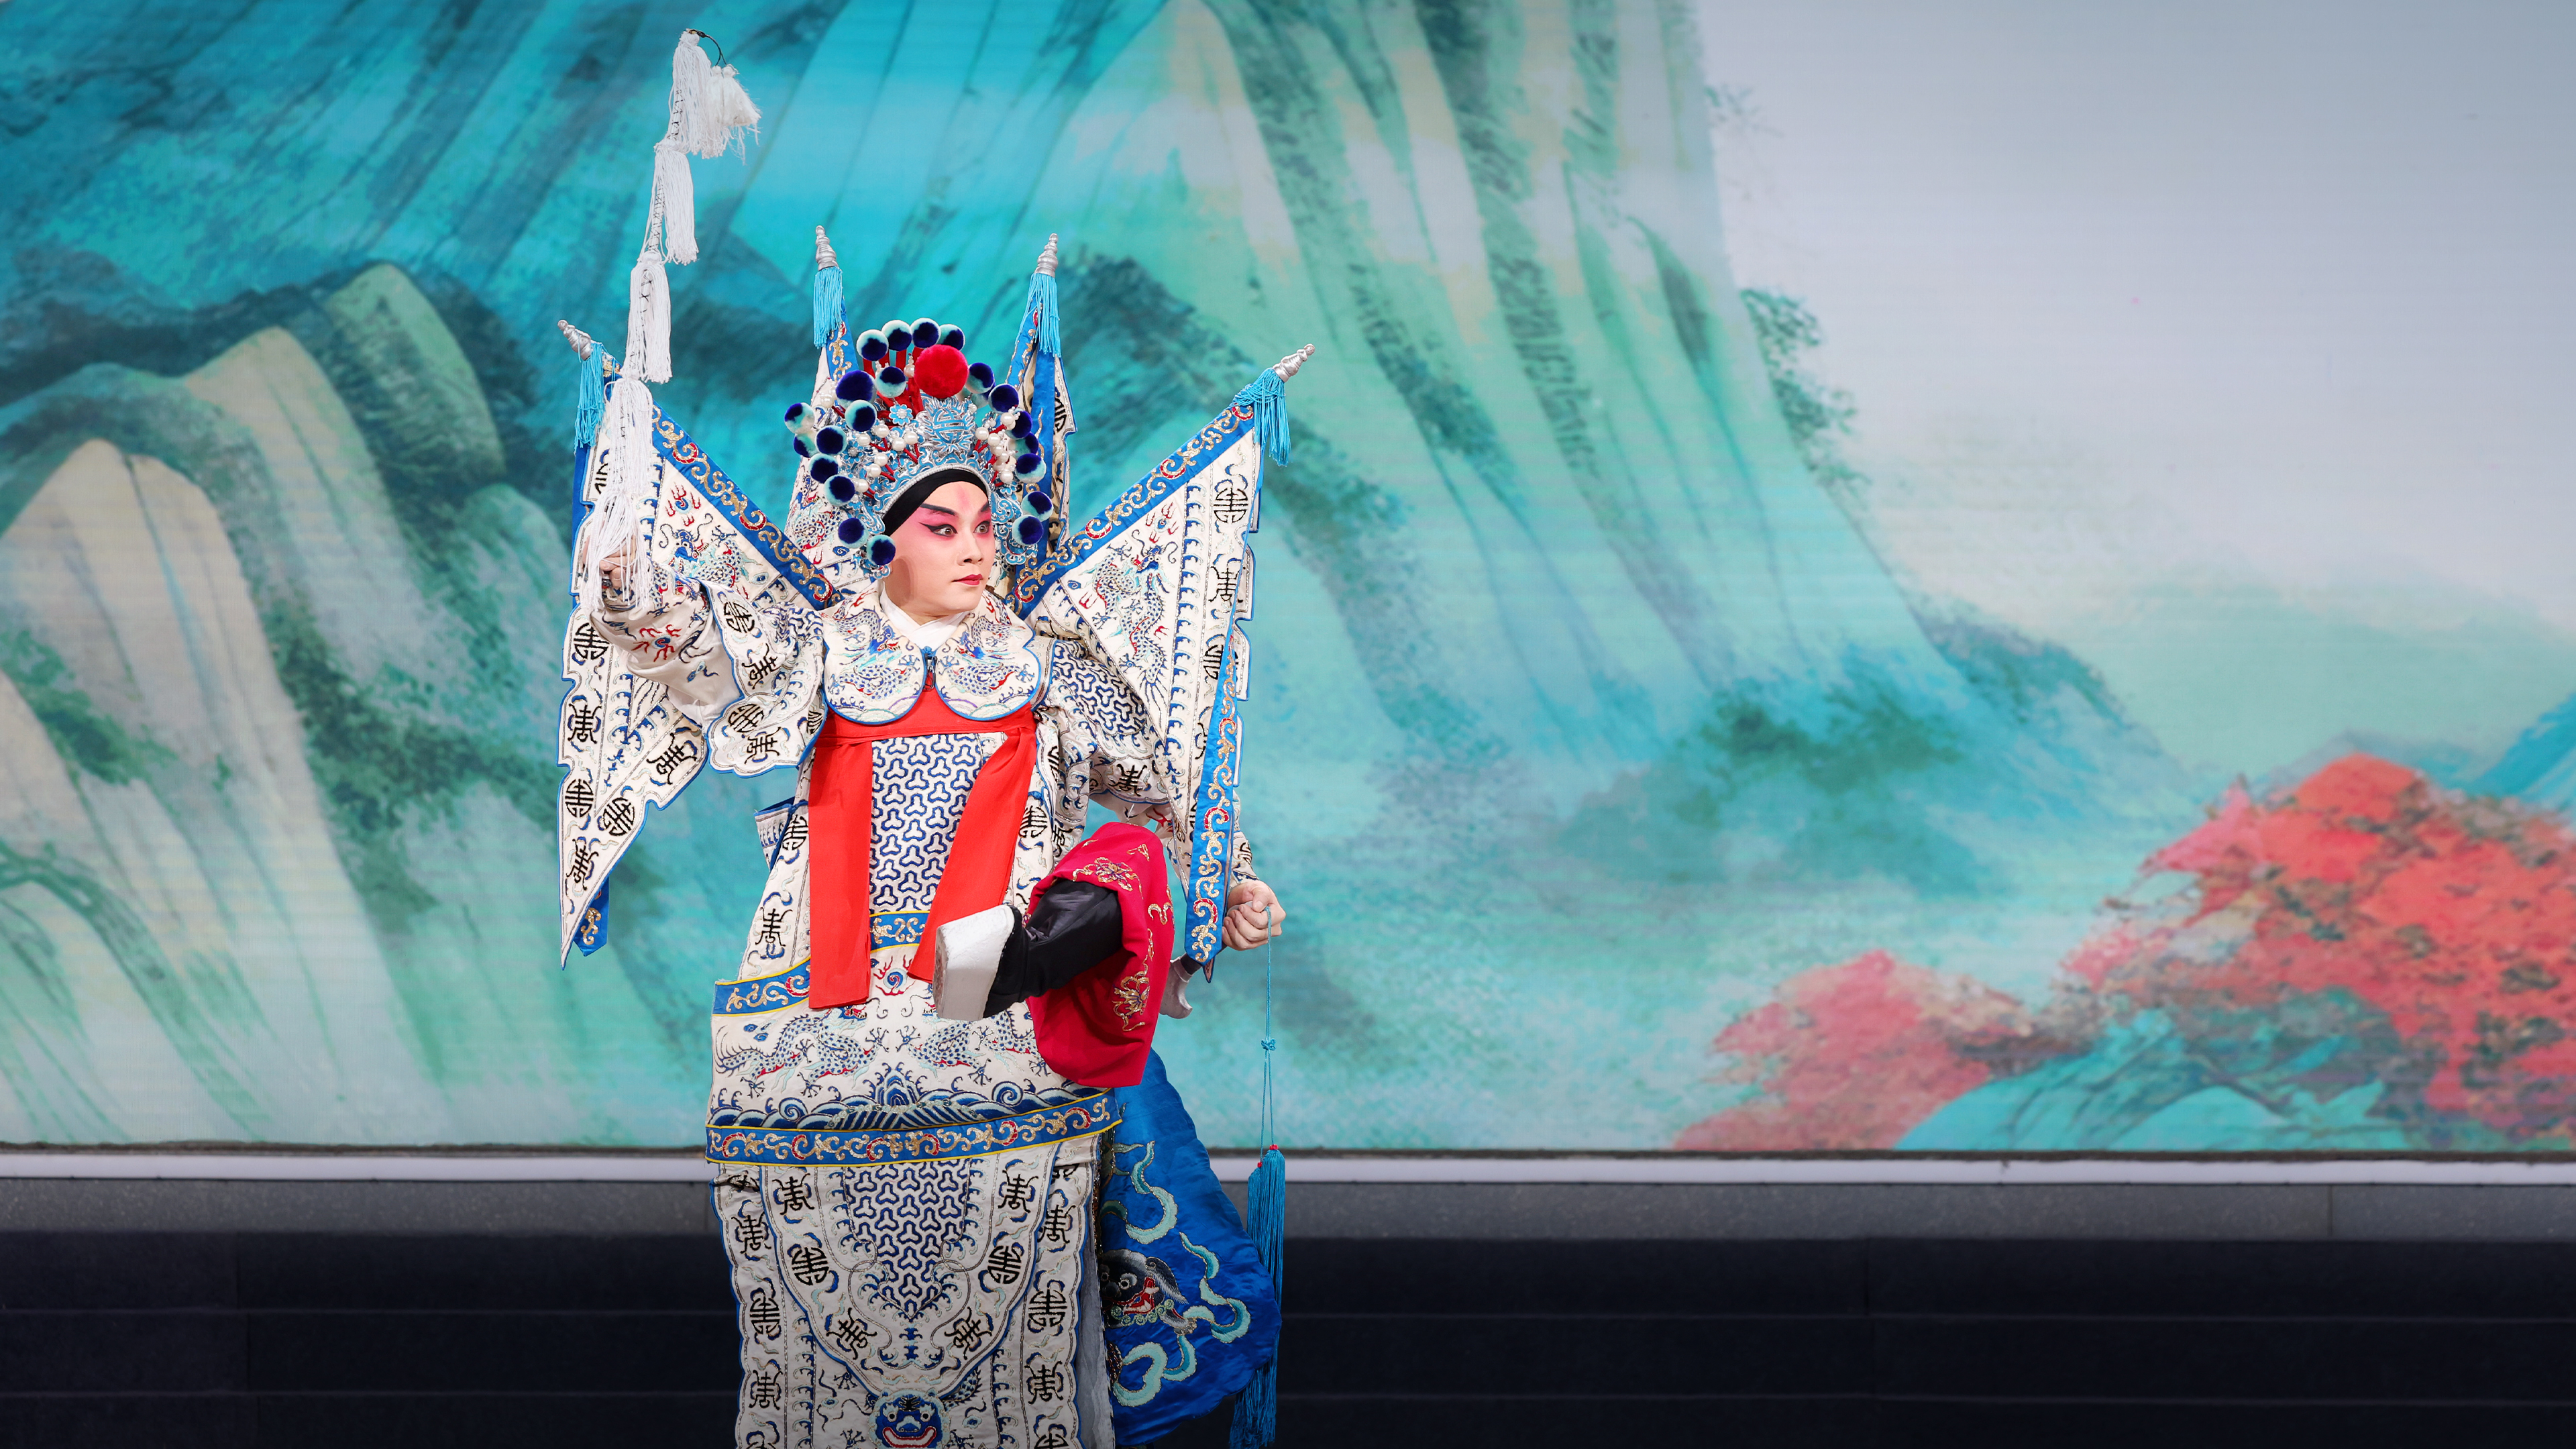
(676, 196)
(648, 316)
(709, 113)
(619, 528)
(709, 109)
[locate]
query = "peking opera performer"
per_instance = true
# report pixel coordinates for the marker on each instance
(961, 1203)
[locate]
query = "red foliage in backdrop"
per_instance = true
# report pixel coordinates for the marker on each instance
(1852, 1056)
(2451, 917)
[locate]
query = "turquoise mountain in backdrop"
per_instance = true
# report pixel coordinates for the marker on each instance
(1579, 709)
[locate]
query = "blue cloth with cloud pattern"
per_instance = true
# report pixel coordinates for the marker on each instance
(1190, 1312)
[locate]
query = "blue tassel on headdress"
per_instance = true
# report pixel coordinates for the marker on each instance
(1267, 396)
(590, 399)
(1042, 307)
(827, 289)
(1256, 1411)
(827, 303)
(1038, 322)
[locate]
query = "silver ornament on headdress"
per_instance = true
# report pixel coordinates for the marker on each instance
(946, 429)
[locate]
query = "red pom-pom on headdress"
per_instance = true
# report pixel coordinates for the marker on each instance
(941, 371)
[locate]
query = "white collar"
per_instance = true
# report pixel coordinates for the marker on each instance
(922, 634)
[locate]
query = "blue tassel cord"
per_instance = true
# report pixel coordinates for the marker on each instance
(1267, 396)
(1256, 1412)
(827, 303)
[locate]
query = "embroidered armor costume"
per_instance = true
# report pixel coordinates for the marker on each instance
(909, 1203)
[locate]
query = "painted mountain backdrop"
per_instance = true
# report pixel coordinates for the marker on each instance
(1583, 717)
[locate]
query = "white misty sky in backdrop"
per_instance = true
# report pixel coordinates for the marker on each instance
(2233, 345)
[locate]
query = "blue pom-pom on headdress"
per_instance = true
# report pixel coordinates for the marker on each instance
(851, 530)
(801, 450)
(854, 385)
(823, 469)
(1039, 502)
(862, 418)
(842, 489)
(892, 380)
(1032, 530)
(953, 337)
(830, 440)
(925, 333)
(1028, 465)
(872, 345)
(1005, 397)
(980, 374)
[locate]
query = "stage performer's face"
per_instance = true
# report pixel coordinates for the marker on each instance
(943, 553)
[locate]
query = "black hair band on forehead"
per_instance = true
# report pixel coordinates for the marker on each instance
(913, 497)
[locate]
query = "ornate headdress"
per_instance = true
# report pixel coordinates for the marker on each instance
(899, 404)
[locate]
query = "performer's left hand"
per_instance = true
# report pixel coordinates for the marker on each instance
(1253, 915)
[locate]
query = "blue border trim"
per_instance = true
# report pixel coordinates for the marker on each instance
(580, 510)
(766, 537)
(766, 993)
(1042, 400)
(1213, 819)
(796, 1147)
(592, 933)
(839, 353)
(896, 928)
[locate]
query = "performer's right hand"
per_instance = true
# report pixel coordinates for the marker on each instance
(1253, 916)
